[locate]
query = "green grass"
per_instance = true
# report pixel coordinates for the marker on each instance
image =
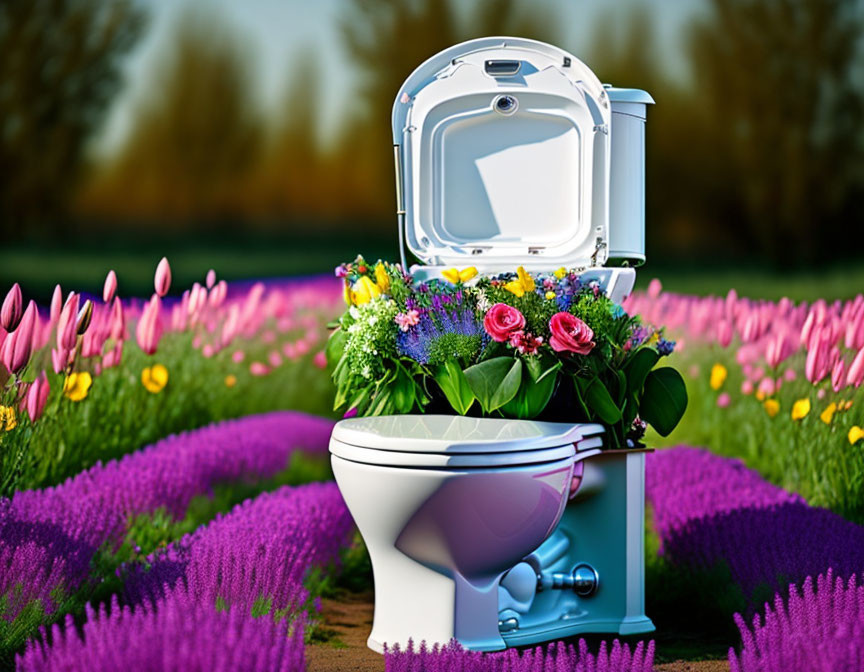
(805, 456)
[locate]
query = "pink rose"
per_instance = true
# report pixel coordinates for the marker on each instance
(502, 321)
(570, 334)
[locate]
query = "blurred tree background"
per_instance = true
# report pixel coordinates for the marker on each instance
(755, 154)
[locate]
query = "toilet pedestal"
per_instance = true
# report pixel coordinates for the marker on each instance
(602, 527)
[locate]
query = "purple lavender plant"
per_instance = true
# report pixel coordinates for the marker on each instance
(256, 556)
(556, 656)
(183, 633)
(48, 538)
(709, 509)
(819, 630)
(442, 333)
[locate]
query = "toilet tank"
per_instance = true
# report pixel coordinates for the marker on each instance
(627, 176)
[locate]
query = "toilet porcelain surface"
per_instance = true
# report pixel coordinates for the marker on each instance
(456, 434)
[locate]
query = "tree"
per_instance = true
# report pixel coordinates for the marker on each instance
(196, 137)
(778, 78)
(60, 66)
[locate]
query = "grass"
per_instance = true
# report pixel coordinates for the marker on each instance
(806, 456)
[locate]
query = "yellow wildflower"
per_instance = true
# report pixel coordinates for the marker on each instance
(523, 283)
(561, 272)
(800, 409)
(550, 295)
(855, 434)
(347, 294)
(772, 407)
(154, 378)
(455, 276)
(718, 376)
(828, 414)
(77, 385)
(364, 290)
(230, 380)
(381, 278)
(8, 421)
(655, 338)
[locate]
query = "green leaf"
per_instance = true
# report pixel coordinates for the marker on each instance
(403, 391)
(638, 368)
(455, 386)
(664, 400)
(532, 396)
(335, 346)
(495, 381)
(598, 399)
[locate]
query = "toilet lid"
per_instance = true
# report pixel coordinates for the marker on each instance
(500, 188)
(459, 435)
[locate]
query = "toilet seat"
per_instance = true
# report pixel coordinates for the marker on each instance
(444, 441)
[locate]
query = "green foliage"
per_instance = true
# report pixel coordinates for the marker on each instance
(664, 400)
(495, 381)
(461, 347)
(119, 415)
(453, 383)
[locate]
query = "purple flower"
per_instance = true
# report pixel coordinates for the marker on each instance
(183, 633)
(710, 509)
(555, 656)
(818, 630)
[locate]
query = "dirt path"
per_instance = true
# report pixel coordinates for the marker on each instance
(347, 623)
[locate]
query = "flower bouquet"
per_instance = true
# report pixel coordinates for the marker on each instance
(523, 345)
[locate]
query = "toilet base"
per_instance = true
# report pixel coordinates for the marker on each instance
(550, 632)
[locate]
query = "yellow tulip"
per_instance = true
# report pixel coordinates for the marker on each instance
(550, 295)
(77, 385)
(230, 380)
(347, 294)
(847, 405)
(523, 283)
(364, 290)
(718, 376)
(828, 414)
(526, 280)
(8, 421)
(855, 434)
(381, 278)
(772, 407)
(455, 276)
(800, 409)
(154, 378)
(561, 272)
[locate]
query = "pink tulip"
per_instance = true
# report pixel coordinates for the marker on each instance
(838, 375)
(724, 333)
(320, 359)
(117, 321)
(747, 387)
(855, 375)
(211, 279)
(113, 357)
(766, 387)
(197, 299)
(59, 359)
(18, 345)
(37, 397)
(790, 375)
(162, 279)
(289, 351)
(208, 351)
(12, 309)
(67, 324)
(110, 287)
(654, 288)
(258, 369)
(724, 400)
(149, 328)
(218, 294)
(777, 350)
(56, 304)
(275, 359)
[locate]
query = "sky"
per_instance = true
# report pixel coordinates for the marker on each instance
(274, 31)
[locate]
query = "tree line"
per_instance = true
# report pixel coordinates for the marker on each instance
(755, 153)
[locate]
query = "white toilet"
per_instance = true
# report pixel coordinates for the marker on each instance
(509, 152)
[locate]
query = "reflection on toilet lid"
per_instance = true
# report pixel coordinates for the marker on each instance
(456, 434)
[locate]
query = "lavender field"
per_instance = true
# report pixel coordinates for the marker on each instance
(167, 502)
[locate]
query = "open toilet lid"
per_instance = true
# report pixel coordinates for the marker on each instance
(456, 434)
(500, 188)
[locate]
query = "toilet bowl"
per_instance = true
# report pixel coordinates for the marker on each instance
(447, 505)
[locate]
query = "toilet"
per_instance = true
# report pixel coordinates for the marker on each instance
(496, 532)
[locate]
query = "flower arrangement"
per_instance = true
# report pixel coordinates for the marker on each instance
(518, 345)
